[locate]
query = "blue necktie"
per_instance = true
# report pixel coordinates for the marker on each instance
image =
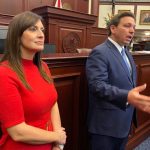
(125, 60)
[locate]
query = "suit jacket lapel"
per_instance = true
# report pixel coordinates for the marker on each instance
(120, 59)
(132, 67)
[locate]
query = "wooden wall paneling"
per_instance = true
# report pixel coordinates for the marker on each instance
(96, 39)
(140, 58)
(71, 37)
(67, 86)
(69, 71)
(38, 3)
(65, 15)
(71, 3)
(143, 119)
(51, 34)
(143, 77)
(11, 7)
(58, 31)
(49, 2)
(82, 6)
(69, 76)
(77, 5)
(5, 19)
(98, 36)
(83, 103)
(88, 37)
(66, 22)
(95, 10)
(14, 7)
(141, 134)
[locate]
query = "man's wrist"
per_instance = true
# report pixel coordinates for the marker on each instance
(127, 103)
(61, 146)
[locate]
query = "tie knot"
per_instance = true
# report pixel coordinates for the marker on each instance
(123, 51)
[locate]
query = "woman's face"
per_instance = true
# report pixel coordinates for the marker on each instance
(32, 40)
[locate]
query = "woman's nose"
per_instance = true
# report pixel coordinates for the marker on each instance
(40, 33)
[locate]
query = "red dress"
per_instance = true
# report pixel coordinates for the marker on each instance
(18, 104)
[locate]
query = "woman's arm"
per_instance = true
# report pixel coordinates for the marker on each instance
(55, 117)
(32, 135)
(56, 122)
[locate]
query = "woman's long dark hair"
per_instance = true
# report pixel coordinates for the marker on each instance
(13, 41)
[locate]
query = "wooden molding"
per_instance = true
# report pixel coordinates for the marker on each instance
(5, 19)
(140, 135)
(63, 14)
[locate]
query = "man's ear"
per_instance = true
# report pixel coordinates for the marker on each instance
(112, 28)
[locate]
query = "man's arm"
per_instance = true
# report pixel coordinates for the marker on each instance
(138, 100)
(99, 79)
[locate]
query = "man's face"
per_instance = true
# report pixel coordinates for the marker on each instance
(124, 32)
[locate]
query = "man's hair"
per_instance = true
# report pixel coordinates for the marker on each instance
(116, 20)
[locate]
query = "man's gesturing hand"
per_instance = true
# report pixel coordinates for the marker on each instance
(138, 100)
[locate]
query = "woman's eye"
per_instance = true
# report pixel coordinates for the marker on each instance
(43, 30)
(32, 28)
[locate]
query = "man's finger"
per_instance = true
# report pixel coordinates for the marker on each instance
(141, 88)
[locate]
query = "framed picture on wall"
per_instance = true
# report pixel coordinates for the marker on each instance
(121, 11)
(144, 17)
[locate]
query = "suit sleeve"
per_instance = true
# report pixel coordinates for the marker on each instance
(97, 71)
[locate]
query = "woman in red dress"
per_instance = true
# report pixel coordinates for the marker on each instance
(29, 114)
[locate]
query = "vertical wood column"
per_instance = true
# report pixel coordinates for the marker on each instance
(95, 10)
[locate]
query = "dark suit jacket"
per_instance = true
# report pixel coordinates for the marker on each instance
(109, 83)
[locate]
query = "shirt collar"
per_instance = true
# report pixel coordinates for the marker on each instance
(116, 44)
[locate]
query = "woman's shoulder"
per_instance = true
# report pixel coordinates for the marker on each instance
(4, 65)
(5, 68)
(45, 67)
(44, 64)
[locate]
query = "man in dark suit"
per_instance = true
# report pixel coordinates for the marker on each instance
(112, 93)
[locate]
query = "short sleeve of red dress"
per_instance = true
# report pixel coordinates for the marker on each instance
(11, 110)
(46, 69)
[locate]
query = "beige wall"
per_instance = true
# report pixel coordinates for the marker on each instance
(105, 9)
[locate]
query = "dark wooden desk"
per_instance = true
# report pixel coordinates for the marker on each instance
(68, 71)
